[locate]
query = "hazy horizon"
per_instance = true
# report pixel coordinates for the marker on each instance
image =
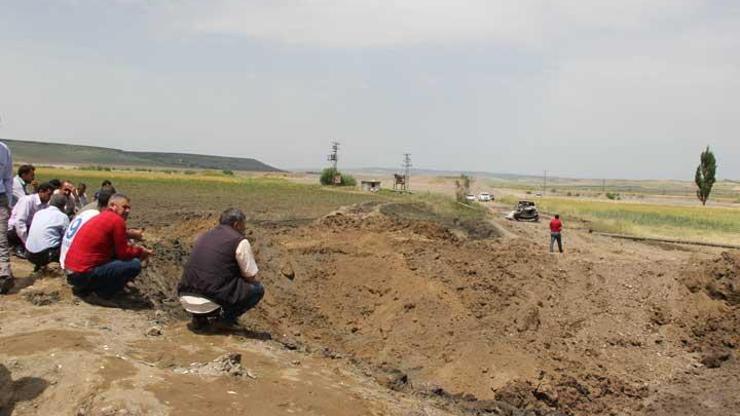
(629, 89)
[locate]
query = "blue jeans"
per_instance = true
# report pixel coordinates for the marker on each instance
(556, 237)
(254, 294)
(106, 280)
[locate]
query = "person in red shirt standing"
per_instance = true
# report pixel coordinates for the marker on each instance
(556, 226)
(100, 260)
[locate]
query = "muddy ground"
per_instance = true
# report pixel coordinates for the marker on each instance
(388, 308)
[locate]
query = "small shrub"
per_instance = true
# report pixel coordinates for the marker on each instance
(329, 177)
(613, 196)
(228, 172)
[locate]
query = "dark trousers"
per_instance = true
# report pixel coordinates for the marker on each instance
(45, 257)
(255, 292)
(105, 280)
(556, 237)
(14, 240)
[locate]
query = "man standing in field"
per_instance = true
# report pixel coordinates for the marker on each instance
(556, 226)
(222, 268)
(6, 196)
(100, 259)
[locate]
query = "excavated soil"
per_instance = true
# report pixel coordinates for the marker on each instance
(448, 316)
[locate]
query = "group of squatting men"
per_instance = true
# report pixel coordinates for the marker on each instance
(101, 256)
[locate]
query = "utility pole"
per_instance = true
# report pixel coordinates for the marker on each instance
(407, 171)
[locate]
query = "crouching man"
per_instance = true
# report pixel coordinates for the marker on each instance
(222, 269)
(100, 259)
(45, 236)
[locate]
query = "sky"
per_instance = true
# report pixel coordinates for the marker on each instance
(593, 89)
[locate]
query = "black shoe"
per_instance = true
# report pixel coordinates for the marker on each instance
(6, 283)
(199, 323)
(21, 253)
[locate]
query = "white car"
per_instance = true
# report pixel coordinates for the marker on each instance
(485, 197)
(470, 197)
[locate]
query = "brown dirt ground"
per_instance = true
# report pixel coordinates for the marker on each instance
(385, 309)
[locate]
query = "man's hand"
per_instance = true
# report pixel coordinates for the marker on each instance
(135, 234)
(146, 253)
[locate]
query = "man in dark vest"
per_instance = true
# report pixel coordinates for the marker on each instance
(222, 268)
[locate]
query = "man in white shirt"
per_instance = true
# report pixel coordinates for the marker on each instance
(22, 216)
(6, 197)
(26, 175)
(45, 235)
(222, 269)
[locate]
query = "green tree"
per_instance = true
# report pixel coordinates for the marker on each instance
(462, 188)
(704, 177)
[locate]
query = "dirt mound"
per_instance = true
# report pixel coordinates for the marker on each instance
(417, 299)
(718, 277)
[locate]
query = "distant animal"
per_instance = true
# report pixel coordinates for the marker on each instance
(400, 180)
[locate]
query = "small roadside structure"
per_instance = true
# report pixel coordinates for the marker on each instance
(370, 186)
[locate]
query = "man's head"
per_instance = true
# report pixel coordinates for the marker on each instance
(27, 173)
(44, 191)
(235, 218)
(104, 197)
(557, 216)
(106, 183)
(56, 183)
(67, 188)
(81, 188)
(58, 200)
(119, 203)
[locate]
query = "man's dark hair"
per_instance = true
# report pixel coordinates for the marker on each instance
(25, 169)
(46, 186)
(104, 196)
(557, 216)
(232, 215)
(59, 201)
(56, 183)
(106, 183)
(82, 185)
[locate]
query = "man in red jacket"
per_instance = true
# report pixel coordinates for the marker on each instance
(100, 260)
(556, 226)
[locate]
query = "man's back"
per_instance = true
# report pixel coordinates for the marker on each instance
(74, 227)
(46, 230)
(556, 225)
(212, 269)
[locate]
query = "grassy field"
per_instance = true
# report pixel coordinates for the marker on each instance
(263, 198)
(709, 224)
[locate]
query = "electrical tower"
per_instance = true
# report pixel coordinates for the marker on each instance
(407, 172)
(334, 155)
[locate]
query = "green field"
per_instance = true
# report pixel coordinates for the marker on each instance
(708, 224)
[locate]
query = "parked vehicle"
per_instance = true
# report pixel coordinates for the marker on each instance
(485, 197)
(470, 197)
(524, 211)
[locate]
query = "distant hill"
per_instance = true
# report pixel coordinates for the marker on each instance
(70, 154)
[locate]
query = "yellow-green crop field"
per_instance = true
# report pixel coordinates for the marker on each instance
(708, 224)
